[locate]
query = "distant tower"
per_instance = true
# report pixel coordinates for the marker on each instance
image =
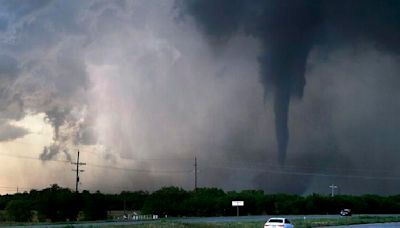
(333, 187)
(195, 173)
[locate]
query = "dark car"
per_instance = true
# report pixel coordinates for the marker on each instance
(345, 212)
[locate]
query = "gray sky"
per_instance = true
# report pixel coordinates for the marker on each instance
(140, 89)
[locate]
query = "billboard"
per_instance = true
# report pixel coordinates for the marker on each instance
(237, 203)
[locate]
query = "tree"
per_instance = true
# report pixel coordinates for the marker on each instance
(19, 210)
(206, 202)
(94, 206)
(166, 201)
(57, 204)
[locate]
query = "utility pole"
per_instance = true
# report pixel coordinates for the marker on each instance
(195, 173)
(333, 187)
(124, 204)
(77, 163)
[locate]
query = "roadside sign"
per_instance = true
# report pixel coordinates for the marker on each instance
(237, 203)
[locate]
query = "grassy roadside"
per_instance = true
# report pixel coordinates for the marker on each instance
(299, 223)
(345, 221)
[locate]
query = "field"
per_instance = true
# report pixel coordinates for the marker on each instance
(299, 223)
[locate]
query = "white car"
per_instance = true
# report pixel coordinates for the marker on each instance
(278, 223)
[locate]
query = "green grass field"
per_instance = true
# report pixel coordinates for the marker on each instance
(299, 223)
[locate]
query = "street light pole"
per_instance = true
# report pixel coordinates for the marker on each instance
(333, 187)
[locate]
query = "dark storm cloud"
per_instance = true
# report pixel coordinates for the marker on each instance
(289, 30)
(131, 86)
(8, 67)
(50, 75)
(20, 8)
(56, 117)
(11, 103)
(9, 132)
(50, 152)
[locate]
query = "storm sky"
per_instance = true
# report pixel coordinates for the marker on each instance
(281, 96)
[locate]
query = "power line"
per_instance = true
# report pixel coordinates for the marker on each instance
(101, 166)
(33, 158)
(276, 170)
(13, 188)
(288, 166)
(141, 170)
(283, 172)
(140, 159)
(252, 163)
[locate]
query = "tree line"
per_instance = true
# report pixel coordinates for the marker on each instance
(62, 204)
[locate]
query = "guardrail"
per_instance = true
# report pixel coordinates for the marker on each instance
(138, 217)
